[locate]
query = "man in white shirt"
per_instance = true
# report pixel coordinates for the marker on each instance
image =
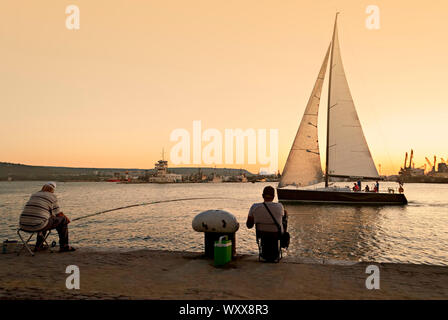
(268, 230)
(259, 215)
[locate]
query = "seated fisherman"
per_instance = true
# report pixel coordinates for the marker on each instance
(266, 229)
(42, 213)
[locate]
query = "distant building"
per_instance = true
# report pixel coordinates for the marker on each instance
(442, 167)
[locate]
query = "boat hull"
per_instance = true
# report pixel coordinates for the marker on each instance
(340, 197)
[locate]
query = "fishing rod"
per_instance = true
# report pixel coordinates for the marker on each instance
(150, 203)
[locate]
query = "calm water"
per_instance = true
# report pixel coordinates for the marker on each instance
(416, 233)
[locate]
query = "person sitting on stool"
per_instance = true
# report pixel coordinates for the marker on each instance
(266, 229)
(42, 213)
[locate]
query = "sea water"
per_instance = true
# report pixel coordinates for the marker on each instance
(415, 233)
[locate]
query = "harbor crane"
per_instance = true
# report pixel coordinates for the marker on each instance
(410, 159)
(405, 160)
(431, 168)
(432, 165)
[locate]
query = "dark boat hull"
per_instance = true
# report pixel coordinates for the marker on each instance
(338, 197)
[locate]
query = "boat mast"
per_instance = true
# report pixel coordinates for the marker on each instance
(328, 109)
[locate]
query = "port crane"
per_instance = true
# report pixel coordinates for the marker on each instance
(432, 166)
(429, 163)
(410, 158)
(405, 160)
(405, 166)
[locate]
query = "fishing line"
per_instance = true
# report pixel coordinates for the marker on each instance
(149, 203)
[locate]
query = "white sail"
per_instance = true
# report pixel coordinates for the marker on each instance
(348, 152)
(303, 165)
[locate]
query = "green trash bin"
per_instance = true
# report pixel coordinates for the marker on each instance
(223, 251)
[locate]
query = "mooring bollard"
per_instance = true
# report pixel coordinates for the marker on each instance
(215, 224)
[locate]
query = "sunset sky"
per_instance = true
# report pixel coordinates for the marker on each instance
(110, 94)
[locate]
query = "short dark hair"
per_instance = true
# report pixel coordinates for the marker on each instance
(269, 192)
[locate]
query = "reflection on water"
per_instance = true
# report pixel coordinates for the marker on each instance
(417, 233)
(335, 232)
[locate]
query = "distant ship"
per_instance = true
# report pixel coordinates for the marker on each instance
(410, 174)
(161, 174)
(347, 153)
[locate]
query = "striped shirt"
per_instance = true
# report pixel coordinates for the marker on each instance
(38, 210)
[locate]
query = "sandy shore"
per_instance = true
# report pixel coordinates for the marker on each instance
(146, 274)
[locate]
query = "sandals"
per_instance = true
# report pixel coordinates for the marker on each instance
(67, 249)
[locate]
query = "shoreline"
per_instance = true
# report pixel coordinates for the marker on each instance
(178, 275)
(286, 257)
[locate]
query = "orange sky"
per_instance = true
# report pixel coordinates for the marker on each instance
(109, 94)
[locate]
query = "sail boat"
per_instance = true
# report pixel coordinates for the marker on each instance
(347, 152)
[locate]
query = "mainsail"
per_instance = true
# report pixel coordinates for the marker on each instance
(303, 165)
(348, 152)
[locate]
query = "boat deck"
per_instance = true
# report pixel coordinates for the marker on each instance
(340, 197)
